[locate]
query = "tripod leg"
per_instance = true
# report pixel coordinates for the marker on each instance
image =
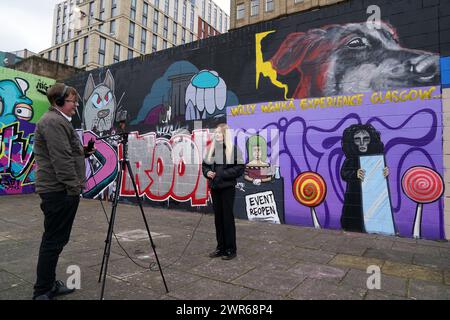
(111, 228)
(145, 220)
(106, 246)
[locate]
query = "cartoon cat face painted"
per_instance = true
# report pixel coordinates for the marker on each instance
(99, 104)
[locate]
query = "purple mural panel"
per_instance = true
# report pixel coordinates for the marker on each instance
(409, 123)
(17, 158)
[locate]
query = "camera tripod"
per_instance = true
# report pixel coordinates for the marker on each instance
(124, 163)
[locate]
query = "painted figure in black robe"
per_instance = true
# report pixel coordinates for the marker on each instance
(357, 140)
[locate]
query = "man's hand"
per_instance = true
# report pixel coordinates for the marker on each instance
(211, 174)
(87, 152)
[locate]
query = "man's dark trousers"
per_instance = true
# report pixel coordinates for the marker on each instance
(223, 201)
(59, 211)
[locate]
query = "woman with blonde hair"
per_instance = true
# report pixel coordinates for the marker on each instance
(222, 165)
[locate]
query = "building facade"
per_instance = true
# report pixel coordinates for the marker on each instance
(245, 12)
(93, 33)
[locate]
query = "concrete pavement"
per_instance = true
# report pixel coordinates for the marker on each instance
(274, 262)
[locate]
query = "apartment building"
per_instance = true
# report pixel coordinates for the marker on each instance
(94, 33)
(245, 12)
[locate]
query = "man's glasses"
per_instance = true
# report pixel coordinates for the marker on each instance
(73, 101)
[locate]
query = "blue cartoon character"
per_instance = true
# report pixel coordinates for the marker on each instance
(14, 104)
(206, 94)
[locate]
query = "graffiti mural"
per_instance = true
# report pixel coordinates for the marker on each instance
(330, 136)
(346, 59)
(100, 106)
(101, 167)
(329, 112)
(185, 93)
(168, 168)
(22, 103)
(366, 197)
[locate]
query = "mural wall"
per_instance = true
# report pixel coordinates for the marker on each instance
(23, 100)
(340, 121)
(356, 151)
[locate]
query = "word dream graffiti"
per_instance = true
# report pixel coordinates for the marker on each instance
(22, 103)
(408, 123)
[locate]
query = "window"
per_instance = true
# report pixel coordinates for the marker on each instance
(57, 55)
(144, 14)
(183, 36)
(166, 6)
(240, 11)
(155, 43)
(75, 53)
(101, 51)
(184, 14)
(56, 37)
(112, 29)
(175, 10)
(58, 15)
(131, 34)
(49, 55)
(215, 17)
(85, 49)
(254, 7)
(203, 9)
(166, 26)
(102, 10)
(156, 3)
(191, 37)
(130, 54)
(133, 10)
(220, 21)
(91, 12)
(298, 1)
(192, 17)
(226, 23)
(175, 26)
(155, 21)
(113, 8)
(116, 57)
(164, 44)
(63, 31)
(209, 12)
(64, 13)
(269, 5)
(143, 40)
(66, 54)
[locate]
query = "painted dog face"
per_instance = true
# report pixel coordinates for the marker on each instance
(353, 58)
(99, 104)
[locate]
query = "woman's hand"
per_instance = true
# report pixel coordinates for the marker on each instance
(211, 174)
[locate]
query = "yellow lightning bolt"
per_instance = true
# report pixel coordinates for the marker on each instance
(265, 67)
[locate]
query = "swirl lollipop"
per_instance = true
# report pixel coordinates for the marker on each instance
(310, 189)
(422, 185)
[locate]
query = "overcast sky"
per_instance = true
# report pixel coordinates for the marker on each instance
(27, 24)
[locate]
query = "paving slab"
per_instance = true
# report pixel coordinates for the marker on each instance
(274, 262)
